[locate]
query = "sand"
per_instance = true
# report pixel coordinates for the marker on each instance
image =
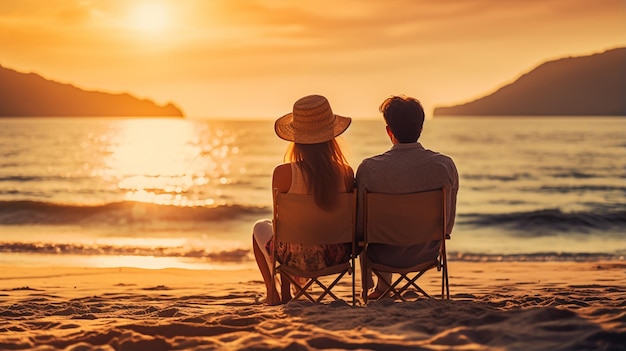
(494, 306)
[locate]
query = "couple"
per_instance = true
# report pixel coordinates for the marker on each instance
(317, 166)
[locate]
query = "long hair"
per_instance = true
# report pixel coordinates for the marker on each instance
(324, 167)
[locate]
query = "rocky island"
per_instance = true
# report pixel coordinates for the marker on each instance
(29, 94)
(593, 85)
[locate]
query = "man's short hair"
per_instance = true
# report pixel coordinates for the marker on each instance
(405, 117)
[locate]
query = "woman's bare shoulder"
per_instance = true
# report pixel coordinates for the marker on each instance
(281, 178)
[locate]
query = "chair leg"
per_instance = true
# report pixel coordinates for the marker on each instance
(364, 280)
(443, 279)
(353, 272)
(411, 282)
(301, 290)
(447, 283)
(327, 290)
(396, 292)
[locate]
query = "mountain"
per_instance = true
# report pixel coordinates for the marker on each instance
(592, 85)
(29, 94)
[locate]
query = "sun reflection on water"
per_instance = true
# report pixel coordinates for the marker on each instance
(169, 161)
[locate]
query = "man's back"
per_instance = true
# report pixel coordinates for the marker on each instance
(407, 168)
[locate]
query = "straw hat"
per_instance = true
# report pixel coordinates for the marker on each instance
(312, 121)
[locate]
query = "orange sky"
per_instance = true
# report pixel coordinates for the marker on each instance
(247, 58)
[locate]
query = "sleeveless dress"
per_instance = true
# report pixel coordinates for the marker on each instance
(308, 257)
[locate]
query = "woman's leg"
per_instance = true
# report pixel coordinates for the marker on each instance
(285, 289)
(272, 295)
(260, 237)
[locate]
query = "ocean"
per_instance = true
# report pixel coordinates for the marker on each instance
(185, 193)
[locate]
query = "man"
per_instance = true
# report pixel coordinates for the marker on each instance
(407, 167)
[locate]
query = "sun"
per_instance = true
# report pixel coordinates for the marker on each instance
(150, 17)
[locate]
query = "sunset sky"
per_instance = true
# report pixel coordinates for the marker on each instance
(254, 58)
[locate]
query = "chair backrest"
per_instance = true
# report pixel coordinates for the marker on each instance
(297, 219)
(405, 219)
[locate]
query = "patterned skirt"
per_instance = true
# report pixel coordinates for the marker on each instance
(310, 257)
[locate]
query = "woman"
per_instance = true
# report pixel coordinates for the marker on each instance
(315, 165)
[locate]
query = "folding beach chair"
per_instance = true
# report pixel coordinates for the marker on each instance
(297, 219)
(406, 220)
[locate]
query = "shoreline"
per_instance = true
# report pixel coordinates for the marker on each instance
(494, 306)
(19, 260)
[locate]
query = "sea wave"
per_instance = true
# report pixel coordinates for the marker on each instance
(228, 255)
(21, 178)
(501, 178)
(536, 257)
(35, 212)
(243, 255)
(550, 221)
(568, 189)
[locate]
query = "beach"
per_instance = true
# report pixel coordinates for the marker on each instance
(494, 306)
